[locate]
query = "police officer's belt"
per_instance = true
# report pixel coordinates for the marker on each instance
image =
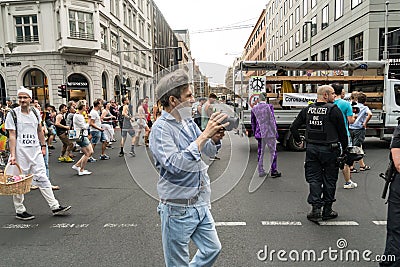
(181, 201)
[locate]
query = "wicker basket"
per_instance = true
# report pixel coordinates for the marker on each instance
(22, 186)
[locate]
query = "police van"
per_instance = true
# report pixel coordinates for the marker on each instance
(291, 85)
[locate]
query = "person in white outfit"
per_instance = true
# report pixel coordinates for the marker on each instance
(27, 147)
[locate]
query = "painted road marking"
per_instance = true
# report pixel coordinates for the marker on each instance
(119, 225)
(69, 225)
(339, 223)
(20, 226)
(280, 223)
(380, 222)
(230, 223)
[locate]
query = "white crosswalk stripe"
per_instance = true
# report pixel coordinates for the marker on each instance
(281, 223)
(380, 222)
(230, 223)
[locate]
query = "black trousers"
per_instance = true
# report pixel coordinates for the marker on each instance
(321, 172)
(393, 223)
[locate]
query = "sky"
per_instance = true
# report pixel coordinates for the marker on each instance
(219, 47)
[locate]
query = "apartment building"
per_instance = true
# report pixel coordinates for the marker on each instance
(48, 43)
(325, 30)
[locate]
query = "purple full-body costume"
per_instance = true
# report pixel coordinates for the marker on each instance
(264, 128)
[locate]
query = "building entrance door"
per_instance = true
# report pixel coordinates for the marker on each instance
(77, 87)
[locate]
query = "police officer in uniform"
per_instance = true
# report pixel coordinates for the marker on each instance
(393, 214)
(325, 129)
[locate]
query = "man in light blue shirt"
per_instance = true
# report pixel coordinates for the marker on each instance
(347, 112)
(184, 186)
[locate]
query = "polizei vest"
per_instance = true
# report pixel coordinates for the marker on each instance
(319, 128)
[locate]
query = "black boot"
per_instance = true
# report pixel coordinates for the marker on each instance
(315, 214)
(328, 212)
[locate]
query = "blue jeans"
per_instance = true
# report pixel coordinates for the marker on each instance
(181, 223)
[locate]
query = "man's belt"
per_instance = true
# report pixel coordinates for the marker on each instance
(181, 201)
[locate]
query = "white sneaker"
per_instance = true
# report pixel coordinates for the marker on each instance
(350, 185)
(76, 168)
(84, 172)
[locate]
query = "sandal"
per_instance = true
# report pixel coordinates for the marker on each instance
(354, 170)
(365, 168)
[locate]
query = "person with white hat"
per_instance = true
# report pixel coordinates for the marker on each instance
(27, 147)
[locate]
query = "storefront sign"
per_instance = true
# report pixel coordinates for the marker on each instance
(303, 99)
(78, 84)
(11, 64)
(77, 63)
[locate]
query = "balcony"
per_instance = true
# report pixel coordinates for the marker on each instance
(80, 43)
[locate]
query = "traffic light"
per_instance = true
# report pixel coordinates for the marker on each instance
(62, 91)
(123, 89)
(178, 53)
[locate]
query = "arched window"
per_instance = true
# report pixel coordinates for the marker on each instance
(128, 88)
(104, 86)
(35, 80)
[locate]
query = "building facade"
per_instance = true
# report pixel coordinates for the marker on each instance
(99, 49)
(330, 30)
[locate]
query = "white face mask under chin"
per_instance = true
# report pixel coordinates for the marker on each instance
(185, 112)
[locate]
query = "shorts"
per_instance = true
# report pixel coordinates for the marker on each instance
(124, 132)
(358, 136)
(84, 143)
(98, 136)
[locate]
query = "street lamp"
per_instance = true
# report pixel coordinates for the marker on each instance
(305, 23)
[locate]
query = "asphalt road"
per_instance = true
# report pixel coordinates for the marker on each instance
(114, 222)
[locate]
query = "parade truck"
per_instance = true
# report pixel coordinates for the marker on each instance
(292, 85)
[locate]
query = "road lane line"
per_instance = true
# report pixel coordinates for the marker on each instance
(20, 226)
(230, 223)
(281, 223)
(380, 222)
(339, 223)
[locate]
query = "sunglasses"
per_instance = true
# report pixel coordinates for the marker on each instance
(23, 97)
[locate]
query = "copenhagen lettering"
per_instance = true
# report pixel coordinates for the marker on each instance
(28, 139)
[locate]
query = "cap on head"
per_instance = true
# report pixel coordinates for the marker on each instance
(24, 90)
(171, 81)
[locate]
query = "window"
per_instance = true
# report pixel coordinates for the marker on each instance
(291, 22)
(148, 34)
(393, 43)
(135, 57)
(285, 27)
(112, 6)
(37, 81)
(150, 64)
(305, 7)
(305, 32)
(313, 3)
(104, 38)
(127, 56)
(355, 3)
(27, 29)
(314, 26)
(143, 60)
(339, 51)
(140, 4)
(125, 12)
(325, 17)
(325, 55)
(291, 43)
(114, 43)
(134, 21)
(397, 93)
(314, 57)
(285, 8)
(356, 47)
(338, 9)
(297, 38)
(129, 18)
(141, 28)
(285, 47)
(290, 3)
(117, 8)
(297, 15)
(81, 25)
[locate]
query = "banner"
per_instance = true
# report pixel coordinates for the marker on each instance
(303, 99)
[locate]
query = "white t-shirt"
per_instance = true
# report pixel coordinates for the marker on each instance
(95, 115)
(27, 127)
